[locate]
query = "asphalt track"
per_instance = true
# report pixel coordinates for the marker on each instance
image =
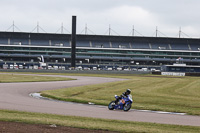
(15, 96)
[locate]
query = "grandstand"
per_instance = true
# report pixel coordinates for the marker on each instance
(96, 50)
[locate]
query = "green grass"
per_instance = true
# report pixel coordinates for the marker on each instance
(92, 123)
(8, 78)
(174, 94)
(149, 92)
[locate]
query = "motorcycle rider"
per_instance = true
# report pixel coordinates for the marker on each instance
(125, 95)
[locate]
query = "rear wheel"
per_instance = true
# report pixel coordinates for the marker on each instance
(111, 106)
(127, 106)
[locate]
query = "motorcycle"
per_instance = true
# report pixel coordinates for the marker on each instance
(123, 104)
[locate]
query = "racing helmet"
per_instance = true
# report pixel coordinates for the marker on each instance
(128, 91)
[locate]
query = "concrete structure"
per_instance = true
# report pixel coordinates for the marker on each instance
(99, 51)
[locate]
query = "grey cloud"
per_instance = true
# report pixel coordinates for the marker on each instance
(168, 15)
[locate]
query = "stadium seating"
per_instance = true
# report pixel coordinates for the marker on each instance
(160, 46)
(19, 41)
(195, 47)
(3, 41)
(179, 46)
(100, 44)
(40, 42)
(83, 44)
(124, 45)
(60, 43)
(140, 45)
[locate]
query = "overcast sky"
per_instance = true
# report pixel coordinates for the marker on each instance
(145, 15)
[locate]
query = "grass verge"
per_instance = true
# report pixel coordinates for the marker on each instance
(92, 123)
(9, 78)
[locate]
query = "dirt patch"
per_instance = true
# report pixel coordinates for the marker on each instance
(17, 127)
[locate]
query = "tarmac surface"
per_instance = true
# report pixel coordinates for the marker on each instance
(16, 96)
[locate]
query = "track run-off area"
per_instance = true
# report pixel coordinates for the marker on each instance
(16, 96)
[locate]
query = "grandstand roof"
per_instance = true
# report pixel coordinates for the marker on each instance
(142, 39)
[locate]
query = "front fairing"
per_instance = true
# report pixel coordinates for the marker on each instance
(130, 98)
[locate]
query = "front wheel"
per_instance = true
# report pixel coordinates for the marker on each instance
(111, 106)
(127, 107)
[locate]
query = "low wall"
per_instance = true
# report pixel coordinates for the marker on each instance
(177, 74)
(192, 74)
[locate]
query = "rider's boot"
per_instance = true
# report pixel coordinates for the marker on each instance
(116, 101)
